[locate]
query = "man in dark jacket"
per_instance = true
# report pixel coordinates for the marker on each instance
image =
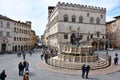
(21, 69)
(3, 75)
(87, 71)
(83, 70)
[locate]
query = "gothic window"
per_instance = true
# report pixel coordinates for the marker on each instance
(65, 18)
(14, 38)
(8, 25)
(88, 14)
(101, 16)
(8, 34)
(98, 21)
(73, 18)
(91, 20)
(1, 24)
(98, 34)
(80, 19)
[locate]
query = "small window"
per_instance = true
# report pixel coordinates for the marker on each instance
(101, 16)
(98, 34)
(65, 36)
(14, 29)
(98, 21)
(1, 33)
(65, 18)
(8, 25)
(14, 38)
(8, 34)
(1, 24)
(73, 18)
(88, 14)
(80, 19)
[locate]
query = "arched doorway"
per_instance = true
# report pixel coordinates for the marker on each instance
(101, 45)
(94, 44)
(18, 47)
(21, 47)
(3, 47)
(15, 47)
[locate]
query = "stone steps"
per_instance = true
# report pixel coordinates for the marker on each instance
(77, 65)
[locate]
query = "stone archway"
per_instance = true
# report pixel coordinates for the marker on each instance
(94, 44)
(101, 45)
(21, 47)
(3, 47)
(73, 39)
(15, 47)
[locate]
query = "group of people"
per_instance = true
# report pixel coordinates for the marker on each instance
(23, 67)
(21, 53)
(85, 71)
(47, 53)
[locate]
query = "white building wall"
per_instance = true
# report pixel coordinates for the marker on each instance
(9, 40)
(4, 39)
(61, 27)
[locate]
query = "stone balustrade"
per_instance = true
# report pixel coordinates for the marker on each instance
(55, 61)
(71, 58)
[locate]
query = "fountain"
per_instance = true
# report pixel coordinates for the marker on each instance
(73, 56)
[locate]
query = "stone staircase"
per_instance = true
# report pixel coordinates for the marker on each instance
(55, 61)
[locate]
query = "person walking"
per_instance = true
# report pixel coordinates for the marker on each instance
(3, 75)
(27, 67)
(26, 76)
(21, 69)
(23, 55)
(116, 59)
(30, 53)
(83, 70)
(87, 71)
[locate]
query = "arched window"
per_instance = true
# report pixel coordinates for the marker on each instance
(73, 18)
(91, 20)
(98, 34)
(65, 18)
(8, 25)
(98, 20)
(80, 19)
(1, 24)
(14, 29)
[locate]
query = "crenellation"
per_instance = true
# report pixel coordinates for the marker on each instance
(85, 5)
(63, 3)
(79, 6)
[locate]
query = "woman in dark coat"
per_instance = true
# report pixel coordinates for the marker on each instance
(3, 75)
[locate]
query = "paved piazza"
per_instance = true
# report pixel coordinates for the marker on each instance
(39, 71)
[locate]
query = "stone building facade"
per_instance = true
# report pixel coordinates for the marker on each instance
(113, 32)
(14, 35)
(69, 22)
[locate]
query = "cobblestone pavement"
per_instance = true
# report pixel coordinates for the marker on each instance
(9, 62)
